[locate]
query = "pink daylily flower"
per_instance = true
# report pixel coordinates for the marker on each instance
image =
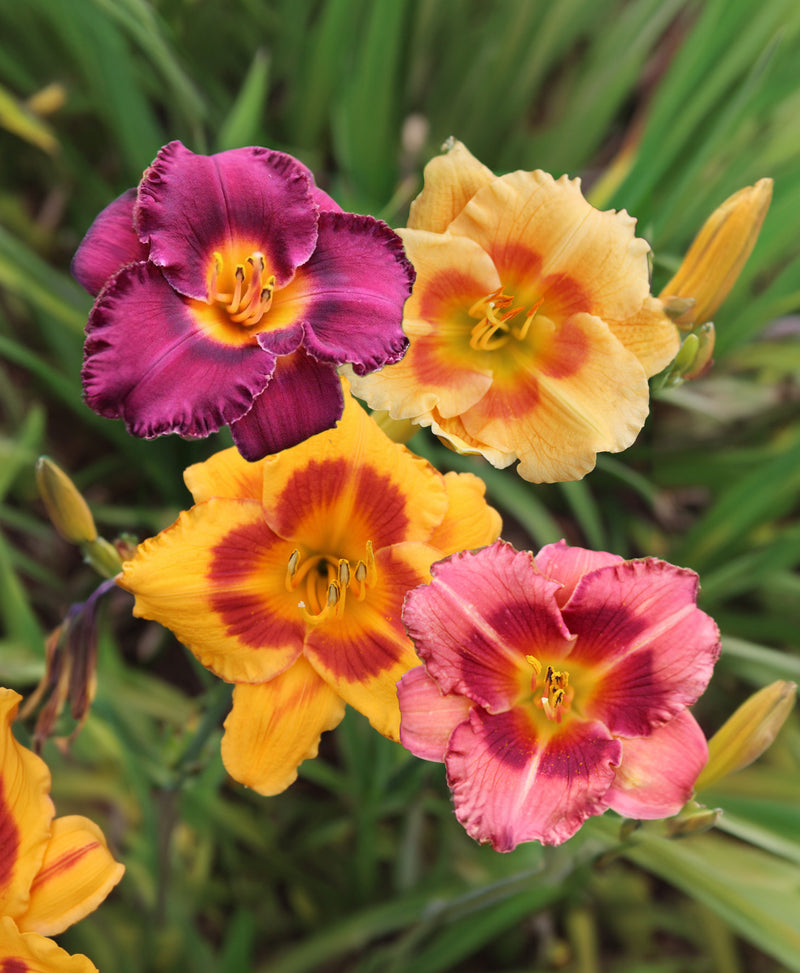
(556, 687)
(229, 289)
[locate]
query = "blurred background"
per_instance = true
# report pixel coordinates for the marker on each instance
(663, 107)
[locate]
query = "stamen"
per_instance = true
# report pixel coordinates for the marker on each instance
(237, 290)
(291, 570)
(337, 575)
(252, 294)
(496, 311)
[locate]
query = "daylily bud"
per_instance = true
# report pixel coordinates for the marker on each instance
(66, 508)
(693, 819)
(719, 251)
(748, 733)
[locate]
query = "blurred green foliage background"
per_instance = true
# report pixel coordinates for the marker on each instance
(664, 107)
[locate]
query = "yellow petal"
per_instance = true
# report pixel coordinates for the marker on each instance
(30, 953)
(225, 474)
(350, 485)
(274, 726)
(26, 812)
(649, 334)
(77, 874)
(363, 653)
(720, 251)
(470, 521)
(216, 578)
(450, 180)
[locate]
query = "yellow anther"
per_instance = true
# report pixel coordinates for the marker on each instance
(344, 572)
(534, 662)
(291, 569)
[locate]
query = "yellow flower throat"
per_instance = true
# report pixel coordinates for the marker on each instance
(245, 294)
(327, 581)
(496, 325)
(552, 692)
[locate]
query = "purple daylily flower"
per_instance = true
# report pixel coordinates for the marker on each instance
(229, 288)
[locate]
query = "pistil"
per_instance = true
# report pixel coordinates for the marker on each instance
(495, 327)
(252, 292)
(327, 582)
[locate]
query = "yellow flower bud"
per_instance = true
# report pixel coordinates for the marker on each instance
(748, 733)
(66, 508)
(718, 253)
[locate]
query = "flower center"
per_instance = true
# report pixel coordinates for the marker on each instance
(499, 321)
(551, 689)
(244, 290)
(324, 581)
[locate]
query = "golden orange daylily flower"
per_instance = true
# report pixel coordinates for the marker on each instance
(53, 871)
(287, 579)
(533, 331)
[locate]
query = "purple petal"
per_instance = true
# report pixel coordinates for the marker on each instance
(351, 293)
(148, 361)
(657, 773)
(109, 244)
(304, 397)
(234, 202)
(513, 783)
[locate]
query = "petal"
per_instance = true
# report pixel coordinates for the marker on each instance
(657, 773)
(573, 391)
(547, 241)
(303, 398)
(350, 294)
(474, 624)
(274, 726)
(149, 361)
(109, 244)
(350, 485)
(216, 578)
(650, 647)
(31, 953)
(470, 522)
(427, 716)
(513, 783)
(25, 812)
(236, 203)
(77, 874)
(567, 565)
(649, 334)
(225, 474)
(450, 180)
(440, 370)
(364, 652)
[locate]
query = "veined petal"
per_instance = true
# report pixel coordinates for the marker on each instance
(460, 441)
(248, 200)
(650, 647)
(274, 726)
(427, 716)
(440, 370)
(76, 875)
(542, 234)
(351, 485)
(479, 618)
(574, 391)
(149, 361)
(649, 334)
(657, 773)
(303, 398)
(109, 244)
(469, 522)
(567, 565)
(364, 652)
(350, 293)
(25, 812)
(450, 181)
(511, 784)
(30, 953)
(225, 474)
(216, 578)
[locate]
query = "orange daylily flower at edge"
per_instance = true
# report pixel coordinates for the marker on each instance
(287, 578)
(533, 331)
(53, 872)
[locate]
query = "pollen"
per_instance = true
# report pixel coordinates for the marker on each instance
(552, 692)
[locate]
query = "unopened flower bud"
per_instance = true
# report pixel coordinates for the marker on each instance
(693, 820)
(66, 508)
(719, 252)
(748, 733)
